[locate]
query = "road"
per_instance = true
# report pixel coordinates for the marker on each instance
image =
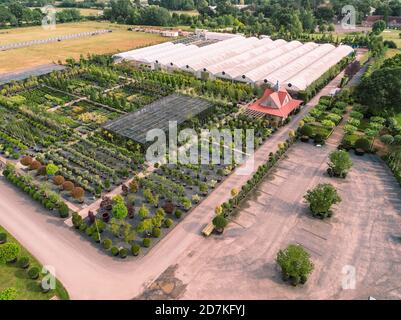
(85, 271)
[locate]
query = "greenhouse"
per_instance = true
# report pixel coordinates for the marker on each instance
(251, 60)
(157, 115)
(297, 65)
(304, 78)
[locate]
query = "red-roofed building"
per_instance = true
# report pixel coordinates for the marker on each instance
(275, 104)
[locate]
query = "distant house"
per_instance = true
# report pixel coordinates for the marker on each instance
(276, 104)
(392, 21)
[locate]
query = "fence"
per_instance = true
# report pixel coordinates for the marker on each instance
(53, 39)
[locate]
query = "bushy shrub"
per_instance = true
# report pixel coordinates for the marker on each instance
(119, 210)
(387, 139)
(135, 249)
(107, 243)
(295, 264)
(397, 139)
(63, 210)
(68, 186)
(51, 169)
(307, 130)
(77, 193)
(123, 253)
(26, 161)
(9, 252)
(362, 143)
(3, 237)
(156, 232)
(146, 242)
(76, 220)
(33, 273)
(168, 223)
(58, 180)
(178, 214)
(8, 294)
(115, 251)
(220, 222)
(321, 199)
(35, 165)
(23, 262)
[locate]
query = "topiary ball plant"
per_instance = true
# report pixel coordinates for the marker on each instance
(135, 249)
(123, 253)
(3, 237)
(146, 242)
(33, 273)
(23, 262)
(107, 243)
(115, 251)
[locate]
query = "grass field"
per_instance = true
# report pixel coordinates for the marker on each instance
(393, 35)
(190, 12)
(119, 40)
(27, 289)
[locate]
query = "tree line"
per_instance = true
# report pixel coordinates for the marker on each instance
(15, 14)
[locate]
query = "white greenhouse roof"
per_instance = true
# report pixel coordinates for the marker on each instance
(124, 55)
(250, 60)
(151, 50)
(243, 46)
(237, 71)
(165, 59)
(152, 57)
(297, 65)
(304, 78)
(214, 48)
(280, 61)
(244, 57)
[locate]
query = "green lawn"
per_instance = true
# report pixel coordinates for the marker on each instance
(394, 35)
(13, 276)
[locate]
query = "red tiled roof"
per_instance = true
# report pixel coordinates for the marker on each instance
(283, 110)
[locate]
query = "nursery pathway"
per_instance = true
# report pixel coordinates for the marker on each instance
(87, 272)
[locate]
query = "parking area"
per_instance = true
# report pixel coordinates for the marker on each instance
(362, 236)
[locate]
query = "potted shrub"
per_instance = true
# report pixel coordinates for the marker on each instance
(106, 216)
(135, 249)
(23, 262)
(168, 223)
(178, 213)
(9, 252)
(123, 253)
(77, 193)
(156, 232)
(45, 288)
(146, 242)
(33, 273)
(76, 220)
(107, 243)
(63, 210)
(220, 222)
(115, 251)
(3, 237)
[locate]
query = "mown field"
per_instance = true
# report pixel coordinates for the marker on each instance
(393, 35)
(119, 40)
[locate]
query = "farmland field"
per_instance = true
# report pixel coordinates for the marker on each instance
(119, 40)
(86, 12)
